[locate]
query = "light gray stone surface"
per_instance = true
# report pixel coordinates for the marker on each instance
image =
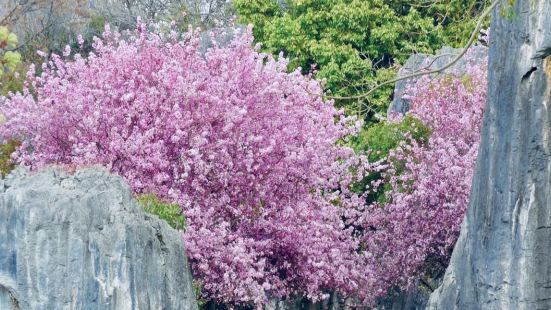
(424, 62)
(503, 257)
(81, 242)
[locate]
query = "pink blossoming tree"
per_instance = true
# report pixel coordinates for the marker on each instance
(430, 182)
(252, 157)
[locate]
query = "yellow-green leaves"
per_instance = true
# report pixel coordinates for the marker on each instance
(8, 59)
(11, 59)
(7, 38)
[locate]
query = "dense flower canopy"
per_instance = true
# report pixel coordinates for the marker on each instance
(244, 147)
(430, 182)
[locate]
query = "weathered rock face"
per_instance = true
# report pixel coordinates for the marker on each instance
(503, 257)
(424, 62)
(80, 242)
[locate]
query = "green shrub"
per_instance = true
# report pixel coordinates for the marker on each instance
(198, 290)
(5, 157)
(171, 213)
(382, 137)
(379, 139)
(12, 80)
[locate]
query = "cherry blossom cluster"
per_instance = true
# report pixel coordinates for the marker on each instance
(430, 182)
(253, 156)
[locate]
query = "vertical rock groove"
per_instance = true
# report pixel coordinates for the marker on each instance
(503, 257)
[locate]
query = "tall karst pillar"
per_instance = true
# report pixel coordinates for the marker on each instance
(503, 257)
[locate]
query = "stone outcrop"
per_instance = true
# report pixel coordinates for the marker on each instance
(80, 241)
(503, 257)
(424, 62)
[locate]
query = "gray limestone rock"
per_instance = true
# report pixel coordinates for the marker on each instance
(503, 257)
(419, 62)
(80, 241)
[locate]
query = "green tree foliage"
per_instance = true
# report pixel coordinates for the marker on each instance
(358, 43)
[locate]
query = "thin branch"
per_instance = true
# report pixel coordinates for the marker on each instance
(473, 37)
(34, 36)
(427, 67)
(6, 19)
